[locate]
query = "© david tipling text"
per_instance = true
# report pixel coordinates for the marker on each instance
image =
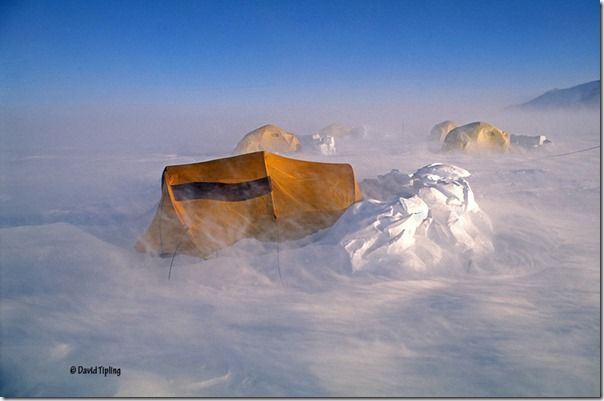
(95, 370)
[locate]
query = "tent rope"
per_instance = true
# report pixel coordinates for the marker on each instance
(161, 215)
(576, 151)
(564, 154)
(174, 254)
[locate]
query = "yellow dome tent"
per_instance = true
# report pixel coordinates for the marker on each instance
(270, 138)
(440, 130)
(477, 136)
(210, 205)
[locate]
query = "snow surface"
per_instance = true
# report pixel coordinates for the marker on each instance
(523, 319)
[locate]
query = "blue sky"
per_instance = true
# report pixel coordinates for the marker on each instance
(84, 47)
(179, 54)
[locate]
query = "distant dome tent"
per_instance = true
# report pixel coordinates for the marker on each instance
(269, 138)
(440, 130)
(208, 206)
(477, 136)
(338, 130)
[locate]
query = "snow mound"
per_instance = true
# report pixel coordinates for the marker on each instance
(412, 218)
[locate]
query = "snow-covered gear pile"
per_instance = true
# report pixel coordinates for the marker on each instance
(326, 145)
(529, 141)
(434, 205)
(324, 141)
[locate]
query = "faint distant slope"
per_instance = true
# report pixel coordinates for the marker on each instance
(582, 96)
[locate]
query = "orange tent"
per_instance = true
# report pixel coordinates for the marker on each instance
(210, 205)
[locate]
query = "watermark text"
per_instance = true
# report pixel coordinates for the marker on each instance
(98, 370)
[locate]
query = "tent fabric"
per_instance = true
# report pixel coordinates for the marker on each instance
(477, 136)
(440, 130)
(210, 205)
(270, 138)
